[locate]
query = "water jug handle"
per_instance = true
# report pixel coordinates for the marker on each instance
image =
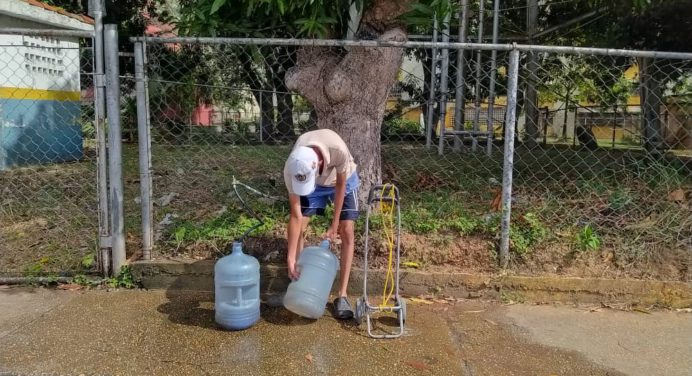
(325, 244)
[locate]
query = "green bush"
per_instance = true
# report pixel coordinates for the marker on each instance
(525, 231)
(400, 126)
(88, 129)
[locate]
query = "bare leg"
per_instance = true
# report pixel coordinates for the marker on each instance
(346, 229)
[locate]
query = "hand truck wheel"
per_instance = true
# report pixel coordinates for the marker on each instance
(359, 313)
(402, 310)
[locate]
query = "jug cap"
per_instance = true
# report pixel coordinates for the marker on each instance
(324, 244)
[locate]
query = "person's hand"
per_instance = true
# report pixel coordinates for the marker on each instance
(293, 272)
(331, 233)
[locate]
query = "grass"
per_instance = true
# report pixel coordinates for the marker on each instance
(48, 218)
(620, 196)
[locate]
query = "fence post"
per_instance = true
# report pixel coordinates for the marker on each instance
(460, 95)
(444, 82)
(479, 74)
(531, 93)
(508, 168)
(144, 140)
(110, 39)
(97, 12)
(431, 96)
(490, 114)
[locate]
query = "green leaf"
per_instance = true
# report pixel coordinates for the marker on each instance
(217, 4)
(180, 234)
(88, 261)
(282, 6)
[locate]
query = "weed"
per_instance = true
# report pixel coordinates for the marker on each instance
(491, 224)
(510, 297)
(536, 230)
(592, 185)
(179, 236)
(50, 280)
(434, 290)
(587, 239)
(420, 221)
(124, 279)
(88, 261)
(224, 228)
(464, 225)
(620, 199)
(525, 232)
(659, 173)
(37, 268)
(520, 243)
(321, 223)
(82, 280)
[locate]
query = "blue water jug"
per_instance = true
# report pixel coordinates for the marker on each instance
(236, 290)
(308, 295)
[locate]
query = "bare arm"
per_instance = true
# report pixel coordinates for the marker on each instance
(294, 232)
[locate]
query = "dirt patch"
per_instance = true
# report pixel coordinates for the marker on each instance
(563, 259)
(464, 252)
(35, 224)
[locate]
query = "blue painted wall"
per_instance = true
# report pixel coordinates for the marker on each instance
(39, 132)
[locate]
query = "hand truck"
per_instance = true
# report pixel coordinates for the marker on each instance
(384, 195)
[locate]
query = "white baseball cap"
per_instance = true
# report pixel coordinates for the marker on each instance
(302, 167)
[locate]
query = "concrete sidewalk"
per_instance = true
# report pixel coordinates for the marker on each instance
(171, 333)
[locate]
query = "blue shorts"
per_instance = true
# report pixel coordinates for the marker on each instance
(317, 201)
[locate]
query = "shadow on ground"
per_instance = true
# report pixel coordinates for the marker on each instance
(195, 307)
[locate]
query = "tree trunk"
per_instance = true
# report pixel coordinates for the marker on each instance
(650, 86)
(261, 91)
(586, 137)
(266, 115)
(283, 60)
(564, 120)
(531, 104)
(284, 105)
(266, 105)
(349, 89)
(427, 72)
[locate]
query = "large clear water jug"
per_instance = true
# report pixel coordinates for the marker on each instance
(236, 290)
(308, 295)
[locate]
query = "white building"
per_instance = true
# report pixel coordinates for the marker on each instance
(39, 86)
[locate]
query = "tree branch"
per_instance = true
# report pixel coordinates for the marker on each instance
(383, 15)
(351, 73)
(308, 75)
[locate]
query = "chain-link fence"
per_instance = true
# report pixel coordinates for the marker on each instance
(604, 162)
(601, 171)
(48, 207)
(223, 111)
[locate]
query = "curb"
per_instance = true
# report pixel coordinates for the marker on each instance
(198, 276)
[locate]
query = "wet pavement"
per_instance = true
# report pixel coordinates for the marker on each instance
(172, 333)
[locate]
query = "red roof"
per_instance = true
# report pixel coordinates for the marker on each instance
(155, 29)
(79, 17)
